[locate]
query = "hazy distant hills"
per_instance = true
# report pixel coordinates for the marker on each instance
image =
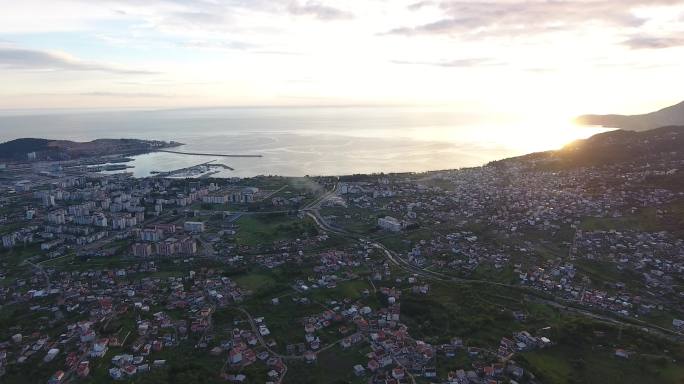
(45, 149)
(616, 147)
(669, 116)
(20, 147)
(620, 146)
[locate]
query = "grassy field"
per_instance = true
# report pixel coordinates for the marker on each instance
(472, 312)
(670, 218)
(268, 228)
(348, 289)
(357, 220)
(284, 320)
(566, 365)
(333, 366)
(185, 365)
(403, 242)
(255, 282)
(645, 221)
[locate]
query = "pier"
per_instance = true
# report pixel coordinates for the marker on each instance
(206, 154)
(208, 164)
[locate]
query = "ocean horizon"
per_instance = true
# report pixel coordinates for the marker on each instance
(298, 141)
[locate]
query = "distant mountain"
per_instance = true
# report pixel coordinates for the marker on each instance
(45, 149)
(673, 115)
(20, 147)
(655, 157)
(616, 147)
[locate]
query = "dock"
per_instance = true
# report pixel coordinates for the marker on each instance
(186, 169)
(206, 154)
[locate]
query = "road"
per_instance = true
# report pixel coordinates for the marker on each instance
(274, 192)
(316, 204)
(263, 343)
(42, 270)
(313, 212)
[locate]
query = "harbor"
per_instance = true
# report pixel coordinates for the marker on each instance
(202, 170)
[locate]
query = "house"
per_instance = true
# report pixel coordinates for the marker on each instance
(389, 223)
(309, 356)
(398, 373)
(678, 324)
(430, 373)
(115, 373)
(100, 348)
(83, 369)
(57, 377)
(130, 370)
(235, 356)
(240, 378)
(51, 355)
(373, 365)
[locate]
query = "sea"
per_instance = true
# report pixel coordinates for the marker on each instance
(299, 141)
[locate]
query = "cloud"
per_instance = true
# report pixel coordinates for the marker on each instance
(126, 94)
(421, 4)
(28, 59)
(228, 45)
(528, 17)
(318, 11)
(459, 63)
(231, 45)
(654, 42)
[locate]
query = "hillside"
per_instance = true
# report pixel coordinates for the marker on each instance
(613, 148)
(673, 115)
(64, 149)
(654, 157)
(20, 147)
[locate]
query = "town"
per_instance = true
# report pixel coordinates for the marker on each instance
(494, 274)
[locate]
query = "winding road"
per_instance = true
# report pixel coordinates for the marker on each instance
(313, 212)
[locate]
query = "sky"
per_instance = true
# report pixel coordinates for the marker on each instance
(561, 57)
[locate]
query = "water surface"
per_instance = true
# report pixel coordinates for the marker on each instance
(303, 141)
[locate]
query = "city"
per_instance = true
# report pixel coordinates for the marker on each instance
(342, 192)
(486, 274)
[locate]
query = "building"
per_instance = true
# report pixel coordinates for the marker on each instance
(57, 217)
(142, 250)
(99, 348)
(153, 235)
(168, 247)
(52, 353)
(58, 376)
(389, 223)
(48, 245)
(48, 201)
(9, 241)
(194, 226)
(100, 220)
(166, 228)
(216, 199)
(124, 221)
(22, 186)
(187, 246)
